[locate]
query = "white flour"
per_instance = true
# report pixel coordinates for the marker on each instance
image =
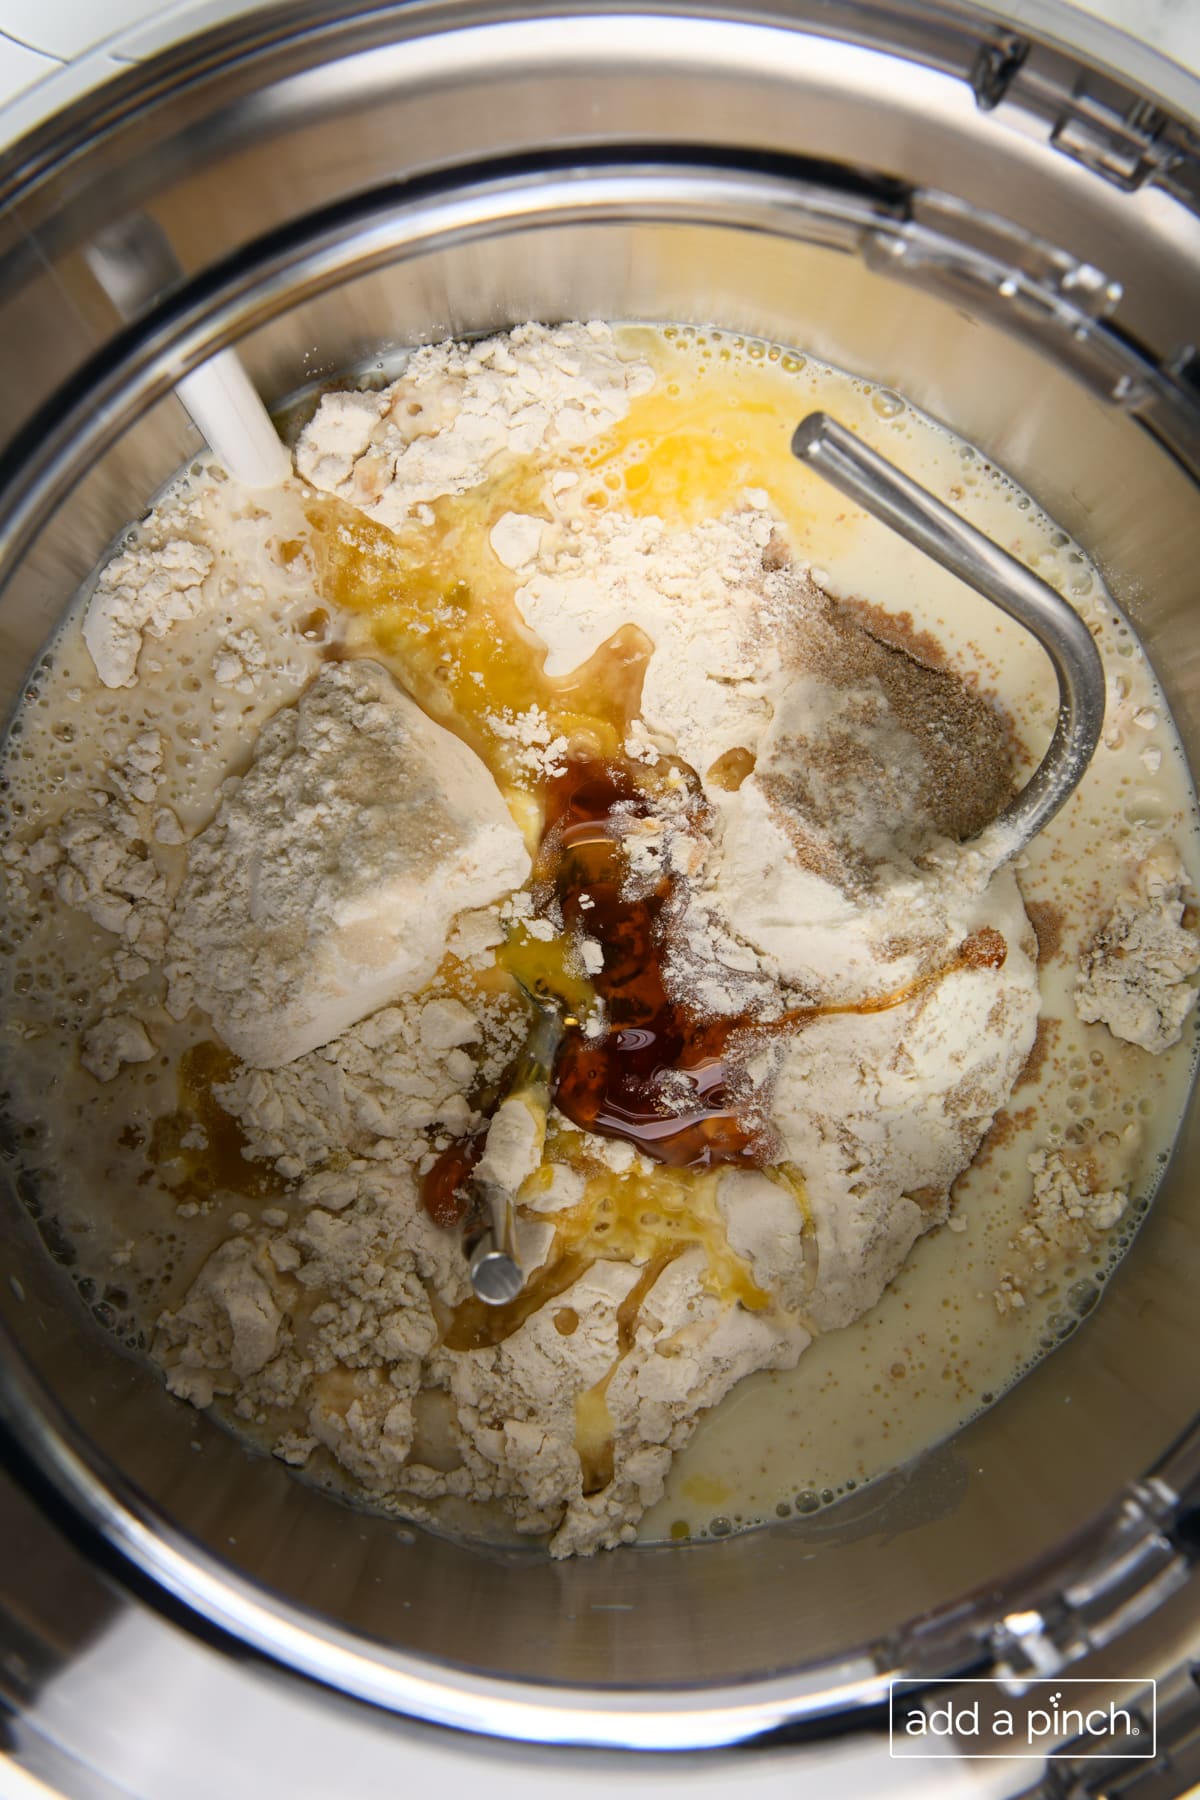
(329, 880)
(144, 592)
(1133, 976)
(456, 408)
(113, 1041)
(1067, 1214)
(698, 595)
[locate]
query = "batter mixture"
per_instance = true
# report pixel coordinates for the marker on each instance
(551, 673)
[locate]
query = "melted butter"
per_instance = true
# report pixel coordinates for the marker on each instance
(594, 1436)
(644, 1216)
(547, 966)
(593, 1419)
(474, 1325)
(706, 1491)
(719, 420)
(685, 451)
(436, 607)
(198, 1172)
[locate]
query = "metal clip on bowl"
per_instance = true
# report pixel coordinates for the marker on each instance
(896, 500)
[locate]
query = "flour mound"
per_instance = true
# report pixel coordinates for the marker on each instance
(1067, 1215)
(815, 886)
(576, 1434)
(457, 407)
(698, 594)
(326, 1326)
(330, 879)
(882, 1113)
(142, 591)
(1134, 975)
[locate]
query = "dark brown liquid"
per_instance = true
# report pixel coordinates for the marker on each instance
(474, 1325)
(222, 1165)
(658, 1077)
(444, 1187)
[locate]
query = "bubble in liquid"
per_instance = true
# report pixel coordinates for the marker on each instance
(1082, 1296)
(1147, 809)
(887, 404)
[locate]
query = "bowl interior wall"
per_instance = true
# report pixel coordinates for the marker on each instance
(1029, 1472)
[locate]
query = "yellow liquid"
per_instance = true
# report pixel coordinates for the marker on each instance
(435, 606)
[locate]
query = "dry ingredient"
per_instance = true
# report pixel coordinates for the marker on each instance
(1133, 976)
(277, 891)
(334, 868)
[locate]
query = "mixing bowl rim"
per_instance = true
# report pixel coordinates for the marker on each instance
(124, 383)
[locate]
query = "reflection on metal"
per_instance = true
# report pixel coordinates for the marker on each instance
(307, 259)
(496, 1275)
(996, 67)
(135, 265)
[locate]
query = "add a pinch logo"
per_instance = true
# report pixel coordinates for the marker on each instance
(990, 1717)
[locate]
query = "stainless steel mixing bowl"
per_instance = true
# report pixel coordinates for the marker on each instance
(1004, 232)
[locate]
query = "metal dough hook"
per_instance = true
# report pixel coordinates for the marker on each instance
(896, 500)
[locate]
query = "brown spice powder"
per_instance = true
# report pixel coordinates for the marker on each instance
(1043, 1043)
(1047, 920)
(891, 676)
